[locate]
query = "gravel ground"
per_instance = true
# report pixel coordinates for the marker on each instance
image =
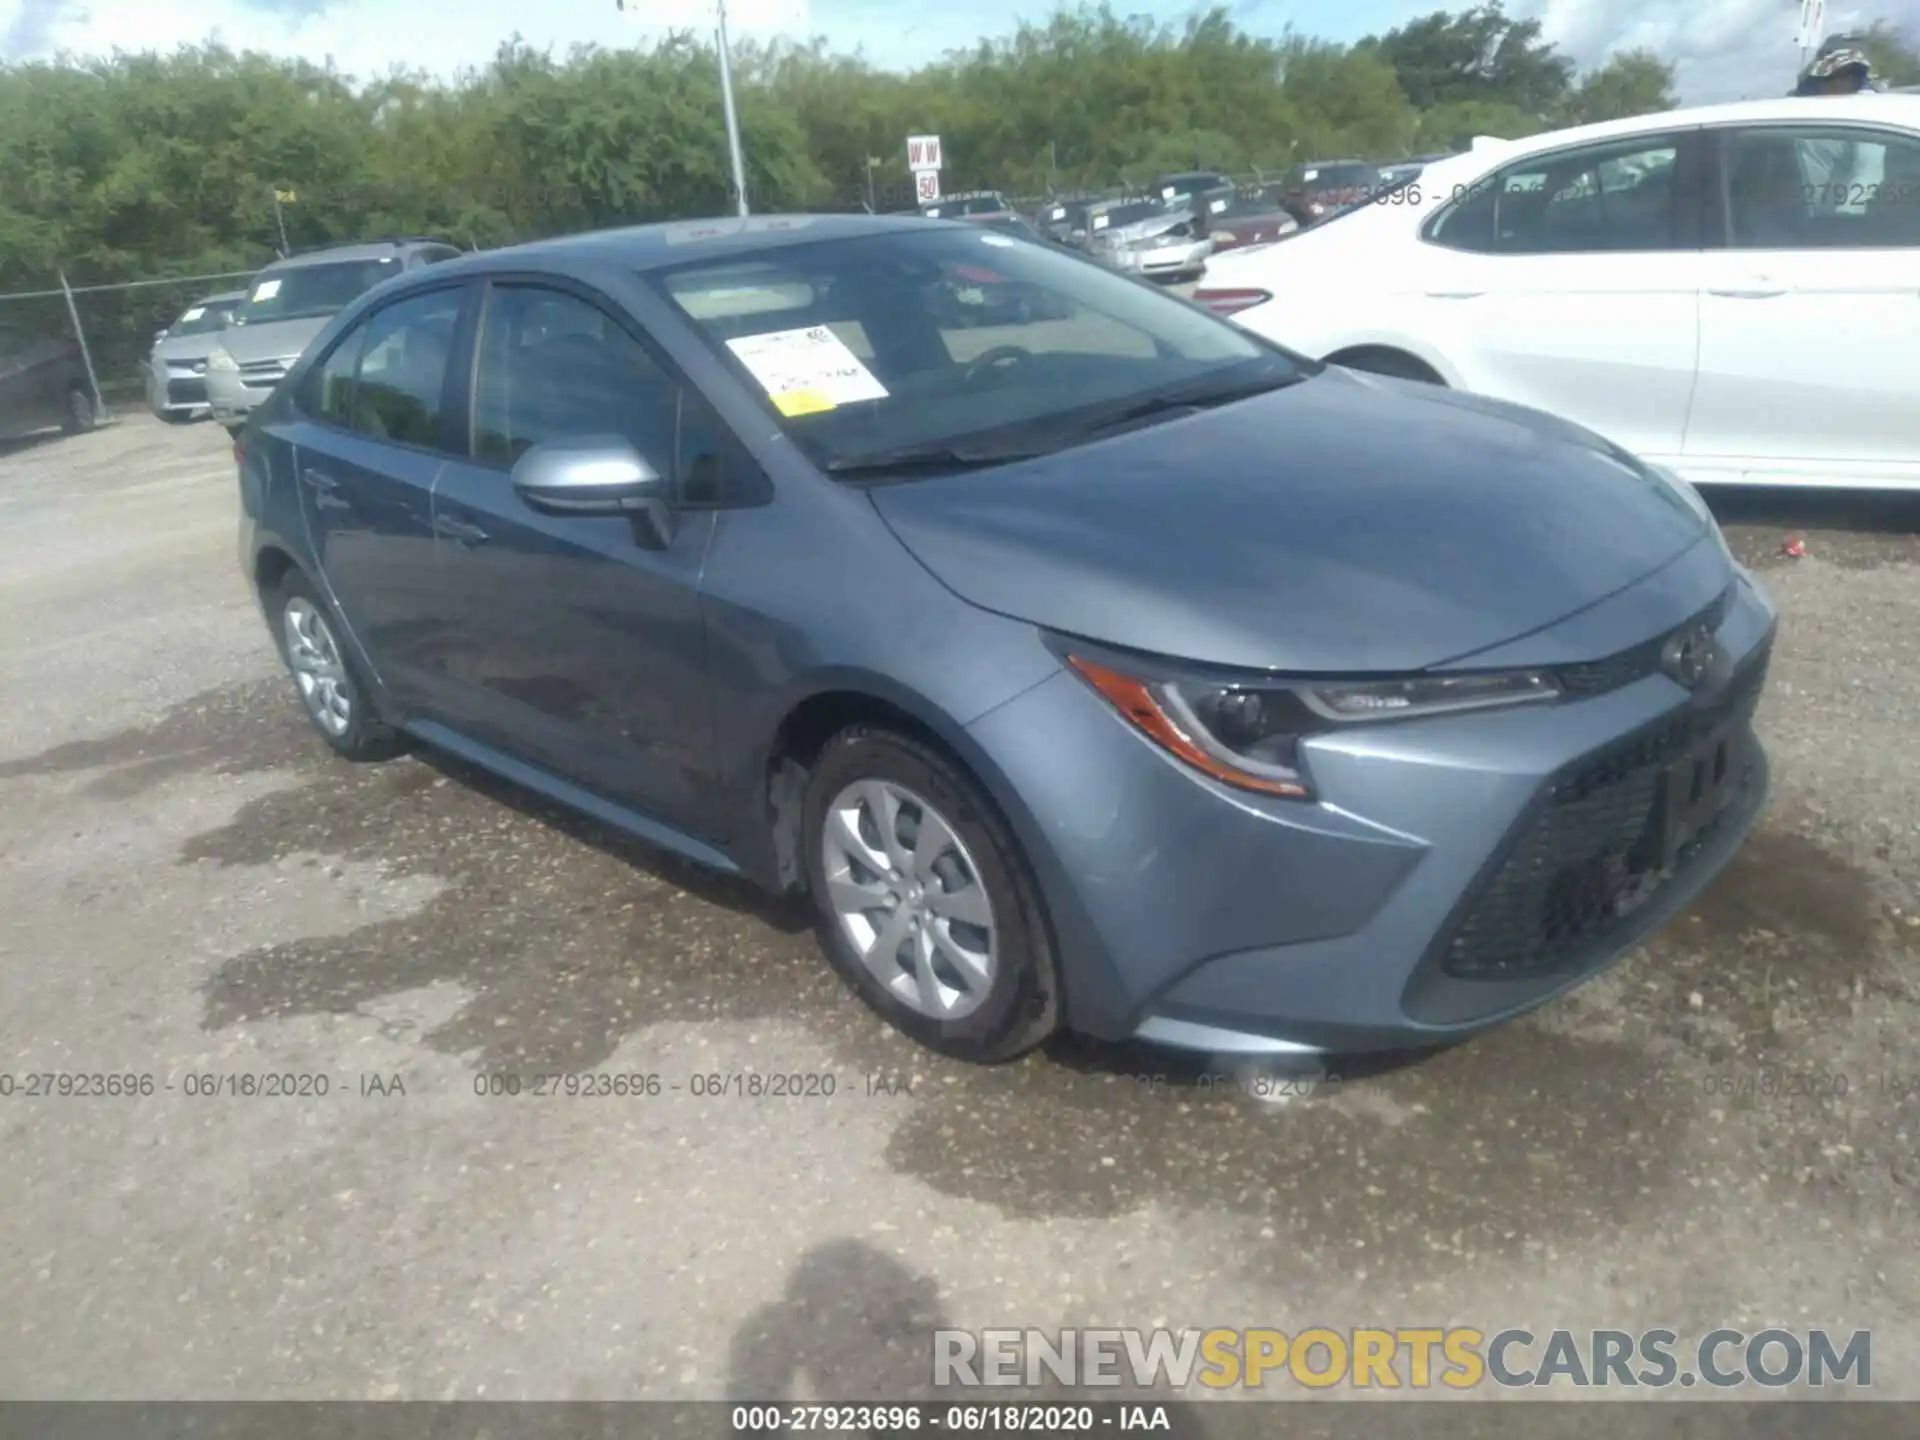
(191, 886)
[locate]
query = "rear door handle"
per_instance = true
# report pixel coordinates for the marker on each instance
(1758, 288)
(1455, 294)
(458, 531)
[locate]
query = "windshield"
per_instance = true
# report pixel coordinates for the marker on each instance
(201, 319)
(1336, 177)
(971, 205)
(989, 346)
(307, 291)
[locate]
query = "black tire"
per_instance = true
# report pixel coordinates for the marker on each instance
(1022, 1003)
(175, 417)
(78, 417)
(367, 736)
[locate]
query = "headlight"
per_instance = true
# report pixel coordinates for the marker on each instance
(219, 359)
(1248, 736)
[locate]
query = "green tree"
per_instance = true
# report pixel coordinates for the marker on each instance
(1633, 82)
(1481, 54)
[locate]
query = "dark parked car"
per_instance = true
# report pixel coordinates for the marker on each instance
(43, 382)
(1252, 216)
(970, 205)
(1065, 221)
(1317, 189)
(1128, 673)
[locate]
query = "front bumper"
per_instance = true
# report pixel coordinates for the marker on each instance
(1190, 914)
(232, 395)
(1157, 261)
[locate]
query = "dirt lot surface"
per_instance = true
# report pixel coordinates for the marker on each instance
(1723, 1130)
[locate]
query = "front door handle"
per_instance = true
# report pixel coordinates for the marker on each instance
(1758, 288)
(458, 531)
(319, 480)
(1455, 294)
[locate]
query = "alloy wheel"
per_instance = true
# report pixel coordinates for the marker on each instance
(317, 669)
(909, 898)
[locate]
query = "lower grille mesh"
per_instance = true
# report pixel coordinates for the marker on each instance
(1589, 856)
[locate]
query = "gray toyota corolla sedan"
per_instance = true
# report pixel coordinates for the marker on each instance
(1112, 669)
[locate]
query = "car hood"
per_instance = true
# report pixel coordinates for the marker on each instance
(183, 349)
(273, 339)
(1344, 524)
(1146, 229)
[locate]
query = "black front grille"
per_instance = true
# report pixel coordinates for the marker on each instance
(186, 392)
(1587, 857)
(1596, 677)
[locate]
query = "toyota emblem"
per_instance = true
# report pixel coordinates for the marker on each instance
(1687, 656)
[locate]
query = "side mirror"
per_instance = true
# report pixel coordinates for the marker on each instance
(159, 335)
(597, 475)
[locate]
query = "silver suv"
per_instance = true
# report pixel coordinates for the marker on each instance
(288, 304)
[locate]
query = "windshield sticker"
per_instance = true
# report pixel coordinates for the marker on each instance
(1100, 222)
(265, 290)
(1311, 175)
(194, 314)
(1218, 207)
(806, 371)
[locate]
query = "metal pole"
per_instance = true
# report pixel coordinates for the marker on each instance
(280, 220)
(93, 383)
(733, 121)
(870, 185)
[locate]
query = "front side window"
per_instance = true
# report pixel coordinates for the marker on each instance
(403, 368)
(305, 292)
(1620, 197)
(958, 339)
(329, 394)
(554, 367)
(1820, 188)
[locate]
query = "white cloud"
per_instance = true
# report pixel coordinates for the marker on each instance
(366, 38)
(1720, 49)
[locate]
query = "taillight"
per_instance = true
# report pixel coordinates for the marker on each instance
(1231, 302)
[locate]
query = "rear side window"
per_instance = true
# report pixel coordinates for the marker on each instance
(403, 368)
(1618, 197)
(554, 367)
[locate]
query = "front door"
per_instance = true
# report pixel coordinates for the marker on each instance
(575, 646)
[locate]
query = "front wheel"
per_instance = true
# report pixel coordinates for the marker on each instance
(78, 416)
(925, 904)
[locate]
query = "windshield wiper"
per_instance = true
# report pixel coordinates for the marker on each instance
(1192, 397)
(929, 457)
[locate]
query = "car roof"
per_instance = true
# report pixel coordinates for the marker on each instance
(363, 250)
(657, 246)
(1865, 106)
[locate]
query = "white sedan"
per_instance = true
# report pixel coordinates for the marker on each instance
(1732, 291)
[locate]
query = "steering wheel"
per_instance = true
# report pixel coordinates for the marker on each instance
(995, 358)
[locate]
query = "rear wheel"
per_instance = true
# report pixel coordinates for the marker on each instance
(1395, 363)
(925, 903)
(78, 415)
(337, 701)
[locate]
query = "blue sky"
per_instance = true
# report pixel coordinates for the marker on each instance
(1722, 49)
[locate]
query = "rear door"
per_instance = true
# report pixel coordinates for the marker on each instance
(573, 645)
(369, 443)
(1810, 317)
(1571, 282)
